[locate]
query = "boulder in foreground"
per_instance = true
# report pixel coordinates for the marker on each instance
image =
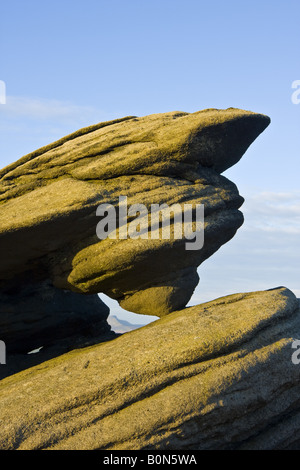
(214, 376)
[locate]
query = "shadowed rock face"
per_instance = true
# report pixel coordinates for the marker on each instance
(35, 314)
(48, 202)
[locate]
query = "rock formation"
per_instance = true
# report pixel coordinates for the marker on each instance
(35, 314)
(214, 376)
(48, 203)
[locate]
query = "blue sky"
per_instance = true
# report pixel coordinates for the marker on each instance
(68, 64)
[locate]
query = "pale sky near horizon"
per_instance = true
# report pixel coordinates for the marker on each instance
(68, 64)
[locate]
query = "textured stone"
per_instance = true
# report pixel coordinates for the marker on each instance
(48, 202)
(37, 314)
(214, 376)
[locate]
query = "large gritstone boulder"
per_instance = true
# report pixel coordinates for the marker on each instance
(49, 201)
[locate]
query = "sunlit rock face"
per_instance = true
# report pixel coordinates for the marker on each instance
(216, 376)
(49, 199)
(220, 375)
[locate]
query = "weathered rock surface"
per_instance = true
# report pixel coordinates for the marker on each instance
(48, 202)
(214, 376)
(36, 314)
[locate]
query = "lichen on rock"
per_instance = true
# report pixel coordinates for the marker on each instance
(48, 202)
(213, 376)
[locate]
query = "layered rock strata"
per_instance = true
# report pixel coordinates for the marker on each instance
(49, 199)
(215, 376)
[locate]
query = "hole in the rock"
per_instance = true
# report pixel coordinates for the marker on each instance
(122, 321)
(35, 351)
